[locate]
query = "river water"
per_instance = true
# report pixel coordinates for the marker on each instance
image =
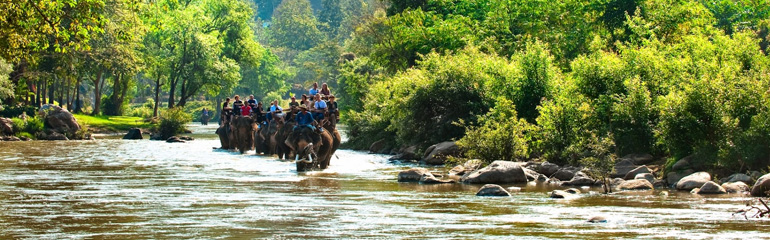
(116, 189)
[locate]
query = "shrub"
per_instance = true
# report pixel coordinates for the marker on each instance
(34, 125)
(500, 136)
(15, 111)
(632, 120)
(172, 122)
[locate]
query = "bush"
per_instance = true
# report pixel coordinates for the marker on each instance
(500, 136)
(172, 122)
(15, 111)
(34, 125)
(195, 109)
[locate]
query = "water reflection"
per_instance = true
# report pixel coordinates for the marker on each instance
(144, 189)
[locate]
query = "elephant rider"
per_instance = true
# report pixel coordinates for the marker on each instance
(319, 108)
(237, 105)
(274, 108)
(246, 110)
(325, 90)
(293, 108)
(259, 111)
(251, 102)
(304, 119)
(226, 111)
(313, 91)
(333, 109)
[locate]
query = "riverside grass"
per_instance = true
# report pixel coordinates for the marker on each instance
(112, 123)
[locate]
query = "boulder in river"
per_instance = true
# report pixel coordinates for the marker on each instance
(566, 173)
(493, 190)
(378, 146)
(547, 168)
(632, 174)
(54, 136)
(406, 153)
(580, 179)
(636, 184)
(133, 134)
(498, 172)
(646, 176)
(694, 180)
(174, 139)
(682, 164)
(412, 175)
(6, 126)
(622, 167)
(736, 187)
(738, 177)
(467, 167)
(711, 187)
(673, 177)
(563, 194)
(429, 178)
(438, 153)
(640, 159)
(762, 186)
(59, 120)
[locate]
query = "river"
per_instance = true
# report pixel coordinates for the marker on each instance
(116, 189)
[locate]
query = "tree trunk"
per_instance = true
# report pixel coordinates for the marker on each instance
(157, 97)
(51, 90)
(172, 89)
(69, 94)
(78, 105)
(98, 92)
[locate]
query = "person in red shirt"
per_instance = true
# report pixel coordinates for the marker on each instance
(246, 110)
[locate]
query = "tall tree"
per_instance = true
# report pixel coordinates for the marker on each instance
(295, 26)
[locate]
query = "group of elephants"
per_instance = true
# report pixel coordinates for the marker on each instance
(311, 148)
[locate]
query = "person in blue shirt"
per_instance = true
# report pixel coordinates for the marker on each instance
(274, 109)
(304, 118)
(313, 91)
(319, 108)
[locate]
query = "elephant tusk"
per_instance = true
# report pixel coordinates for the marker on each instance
(296, 157)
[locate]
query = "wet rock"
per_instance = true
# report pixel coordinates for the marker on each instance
(640, 159)
(739, 177)
(659, 184)
(597, 219)
(616, 181)
(563, 194)
(553, 181)
(572, 190)
(646, 176)
(186, 138)
(59, 120)
(467, 167)
(693, 181)
(736, 187)
(429, 178)
(377, 146)
(133, 134)
(498, 172)
(632, 174)
(408, 153)
(542, 178)
(566, 173)
(580, 179)
(6, 126)
(23, 138)
(761, 187)
(547, 168)
(174, 139)
(493, 190)
(531, 174)
(412, 175)
(674, 176)
(54, 136)
(682, 164)
(711, 187)
(636, 184)
(438, 153)
(10, 139)
(622, 168)
(755, 174)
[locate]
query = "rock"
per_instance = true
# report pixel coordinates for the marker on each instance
(412, 175)
(566, 173)
(659, 184)
(632, 174)
(498, 172)
(429, 178)
(13, 139)
(755, 174)
(738, 177)
(572, 190)
(693, 181)
(682, 164)
(174, 139)
(187, 131)
(187, 138)
(597, 219)
(636, 184)
(542, 178)
(437, 154)
(640, 159)
(646, 176)
(622, 168)
(553, 181)
(23, 138)
(531, 174)
(6, 126)
(711, 187)
(493, 190)
(616, 181)
(580, 179)
(55, 136)
(407, 153)
(467, 167)
(59, 120)
(458, 170)
(675, 176)
(562, 194)
(761, 187)
(133, 134)
(547, 168)
(736, 187)
(377, 146)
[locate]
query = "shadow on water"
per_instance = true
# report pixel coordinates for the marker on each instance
(114, 189)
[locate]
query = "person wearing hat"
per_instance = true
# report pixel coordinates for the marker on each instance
(304, 118)
(293, 104)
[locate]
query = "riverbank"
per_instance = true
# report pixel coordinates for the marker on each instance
(111, 124)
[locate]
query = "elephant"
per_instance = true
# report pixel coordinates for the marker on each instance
(313, 148)
(261, 139)
(336, 140)
(283, 150)
(225, 136)
(243, 129)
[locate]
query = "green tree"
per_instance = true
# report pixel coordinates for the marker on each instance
(294, 26)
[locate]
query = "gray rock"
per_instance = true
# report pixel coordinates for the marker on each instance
(377, 146)
(640, 159)
(659, 184)
(682, 164)
(498, 172)
(761, 187)
(174, 139)
(597, 219)
(636, 184)
(55, 136)
(438, 153)
(407, 153)
(186, 138)
(493, 190)
(553, 181)
(467, 167)
(616, 181)
(566, 173)
(738, 177)
(133, 134)
(755, 174)
(674, 176)
(580, 179)
(429, 178)
(561, 194)
(646, 176)
(736, 187)
(412, 175)
(693, 181)
(531, 174)
(59, 120)
(572, 190)
(6, 126)
(622, 168)
(632, 174)
(547, 168)
(711, 187)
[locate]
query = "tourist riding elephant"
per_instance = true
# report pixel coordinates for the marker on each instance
(225, 137)
(311, 148)
(243, 132)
